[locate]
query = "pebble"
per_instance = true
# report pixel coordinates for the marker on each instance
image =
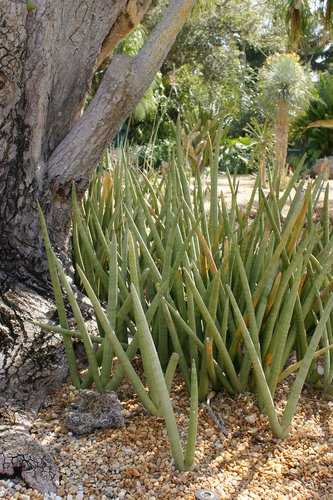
(109, 492)
(251, 419)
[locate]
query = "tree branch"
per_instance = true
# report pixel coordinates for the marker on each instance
(77, 155)
(129, 18)
(123, 85)
(158, 45)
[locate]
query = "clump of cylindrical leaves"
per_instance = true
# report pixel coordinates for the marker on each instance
(244, 292)
(101, 350)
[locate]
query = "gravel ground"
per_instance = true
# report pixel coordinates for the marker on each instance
(134, 462)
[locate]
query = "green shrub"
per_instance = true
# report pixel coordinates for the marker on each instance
(233, 293)
(236, 156)
(316, 142)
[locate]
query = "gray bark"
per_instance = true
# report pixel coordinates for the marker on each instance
(20, 452)
(32, 365)
(48, 55)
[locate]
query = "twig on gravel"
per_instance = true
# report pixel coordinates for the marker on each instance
(215, 416)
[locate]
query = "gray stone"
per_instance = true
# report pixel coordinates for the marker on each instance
(94, 411)
(109, 492)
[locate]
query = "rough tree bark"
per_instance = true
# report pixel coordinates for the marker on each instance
(48, 54)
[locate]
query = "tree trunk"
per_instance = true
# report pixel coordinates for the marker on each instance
(262, 166)
(281, 136)
(49, 52)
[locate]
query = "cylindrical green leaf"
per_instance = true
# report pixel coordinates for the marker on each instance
(193, 421)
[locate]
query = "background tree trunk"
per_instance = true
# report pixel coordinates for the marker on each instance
(262, 166)
(281, 135)
(49, 52)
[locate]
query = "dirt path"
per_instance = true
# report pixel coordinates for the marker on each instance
(245, 185)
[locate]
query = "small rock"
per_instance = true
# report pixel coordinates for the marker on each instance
(209, 432)
(109, 492)
(251, 419)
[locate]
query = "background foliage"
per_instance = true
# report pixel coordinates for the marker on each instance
(316, 142)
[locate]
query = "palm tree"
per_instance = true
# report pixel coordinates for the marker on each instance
(285, 87)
